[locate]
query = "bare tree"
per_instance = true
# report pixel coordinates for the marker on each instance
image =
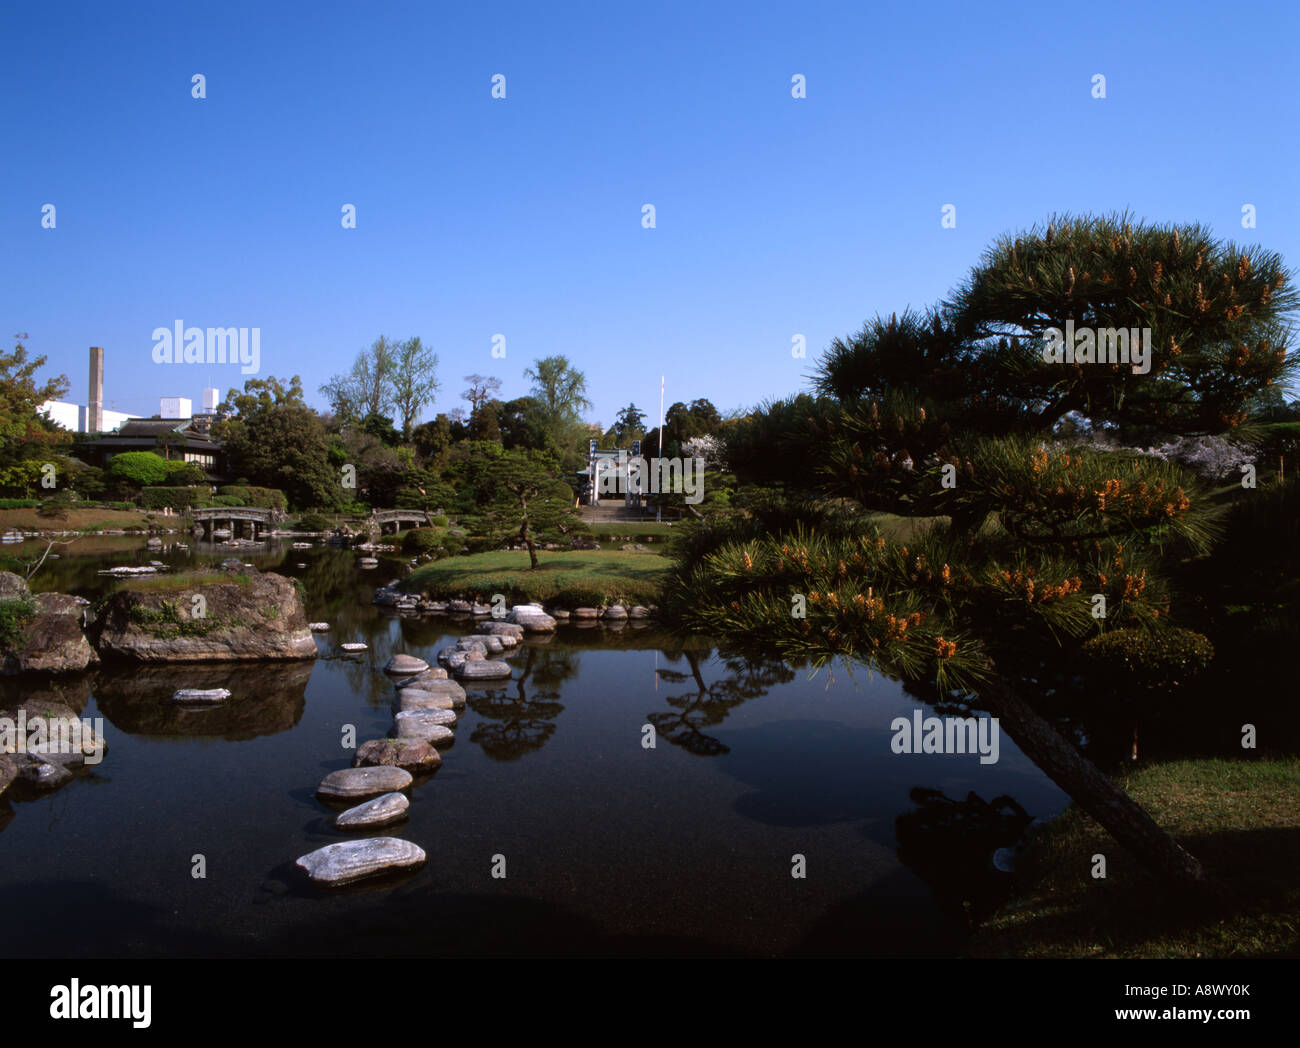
(482, 388)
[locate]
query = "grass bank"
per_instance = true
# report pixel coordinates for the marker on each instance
(1240, 818)
(88, 519)
(571, 579)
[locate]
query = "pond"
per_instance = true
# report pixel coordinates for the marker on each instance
(759, 771)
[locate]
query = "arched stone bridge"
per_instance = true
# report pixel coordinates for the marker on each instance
(234, 517)
(398, 517)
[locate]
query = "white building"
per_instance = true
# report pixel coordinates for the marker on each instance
(175, 407)
(75, 417)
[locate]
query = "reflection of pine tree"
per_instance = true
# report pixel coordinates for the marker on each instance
(515, 724)
(949, 843)
(709, 704)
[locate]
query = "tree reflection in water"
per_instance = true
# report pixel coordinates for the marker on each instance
(519, 723)
(707, 705)
(949, 844)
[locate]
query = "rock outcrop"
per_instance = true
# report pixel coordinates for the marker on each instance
(239, 617)
(50, 638)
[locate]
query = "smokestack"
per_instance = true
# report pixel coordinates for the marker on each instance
(95, 407)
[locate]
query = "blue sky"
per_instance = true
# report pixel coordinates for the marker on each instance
(475, 217)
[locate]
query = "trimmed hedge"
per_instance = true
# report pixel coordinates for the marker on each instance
(177, 498)
(19, 503)
(1160, 659)
(258, 498)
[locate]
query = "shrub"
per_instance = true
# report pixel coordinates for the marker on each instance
(1150, 660)
(313, 522)
(19, 503)
(57, 505)
(260, 498)
(439, 522)
(175, 498)
(13, 616)
(421, 540)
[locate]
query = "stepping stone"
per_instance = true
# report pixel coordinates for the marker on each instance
(460, 607)
(560, 614)
(500, 629)
(319, 627)
(399, 753)
(420, 699)
(360, 783)
(382, 811)
(638, 612)
(353, 647)
(201, 696)
(615, 611)
(434, 673)
(351, 861)
(586, 613)
(431, 726)
(405, 665)
(483, 669)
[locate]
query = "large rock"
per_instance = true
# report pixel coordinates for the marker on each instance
(350, 861)
(51, 640)
(586, 613)
(405, 666)
(398, 753)
(43, 731)
(483, 669)
(382, 811)
(359, 783)
(249, 616)
(532, 618)
(11, 585)
(615, 611)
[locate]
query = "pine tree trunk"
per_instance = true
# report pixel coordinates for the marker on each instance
(1096, 794)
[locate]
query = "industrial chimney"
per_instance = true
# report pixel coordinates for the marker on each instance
(95, 406)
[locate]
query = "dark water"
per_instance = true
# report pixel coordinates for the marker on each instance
(609, 847)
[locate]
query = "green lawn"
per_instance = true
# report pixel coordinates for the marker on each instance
(571, 579)
(1240, 818)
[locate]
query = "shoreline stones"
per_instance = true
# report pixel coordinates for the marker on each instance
(586, 613)
(532, 618)
(354, 647)
(361, 783)
(397, 753)
(615, 611)
(351, 861)
(384, 810)
(200, 696)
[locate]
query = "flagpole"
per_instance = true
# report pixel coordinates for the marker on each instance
(659, 502)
